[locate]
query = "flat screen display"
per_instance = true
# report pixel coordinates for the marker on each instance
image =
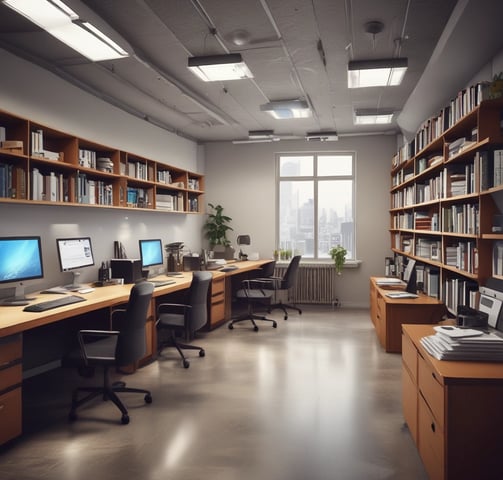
(20, 259)
(151, 252)
(74, 253)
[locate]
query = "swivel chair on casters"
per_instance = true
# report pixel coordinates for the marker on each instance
(116, 348)
(186, 319)
(285, 283)
(252, 292)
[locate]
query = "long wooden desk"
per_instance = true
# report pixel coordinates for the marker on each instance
(388, 314)
(14, 322)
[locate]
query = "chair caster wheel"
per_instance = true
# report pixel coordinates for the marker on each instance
(275, 325)
(255, 328)
(186, 364)
(125, 419)
(231, 326)
(148, 398)
(202, 353)
(285, 317)
(72, 416)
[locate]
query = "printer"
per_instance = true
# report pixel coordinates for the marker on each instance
(491, 301)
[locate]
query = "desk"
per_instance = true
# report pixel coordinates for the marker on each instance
(453, 411)
(388, 314)
(14, 321)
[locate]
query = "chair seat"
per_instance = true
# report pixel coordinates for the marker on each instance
(173, 320)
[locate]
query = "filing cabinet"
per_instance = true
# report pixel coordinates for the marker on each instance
(453, 411)
(11, 377)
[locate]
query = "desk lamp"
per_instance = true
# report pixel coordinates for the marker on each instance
(243, 240)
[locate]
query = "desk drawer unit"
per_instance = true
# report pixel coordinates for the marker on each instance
(409, 385)
(11, 376)
(217, 302)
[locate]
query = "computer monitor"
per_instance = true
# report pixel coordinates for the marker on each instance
(20, 260)
(410, 276)
(74, 254)
(151, 254)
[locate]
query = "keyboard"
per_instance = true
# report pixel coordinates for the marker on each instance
(49, 304)
(162, 283)
(229, 268)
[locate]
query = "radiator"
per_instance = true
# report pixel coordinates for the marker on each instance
(316, 283)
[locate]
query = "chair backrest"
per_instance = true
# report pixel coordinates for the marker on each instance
(290, 275)
(267, 270)
(198, 299)
(131, 343)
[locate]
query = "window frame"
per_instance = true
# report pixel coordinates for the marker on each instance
(316, 180)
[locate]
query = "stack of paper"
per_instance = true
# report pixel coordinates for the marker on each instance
(388, 281)
(454, 343)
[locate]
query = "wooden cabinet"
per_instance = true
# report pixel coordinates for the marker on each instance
(388, 314)
(217, 301)
(446, 186)
(10, 387)
(453, 411)
(45, 166)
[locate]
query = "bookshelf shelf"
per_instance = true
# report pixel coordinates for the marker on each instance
(446, 193)
(44, 166)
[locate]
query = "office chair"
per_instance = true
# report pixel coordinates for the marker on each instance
(285, 283)
(187, 318)
(116, 348)
(252, 292)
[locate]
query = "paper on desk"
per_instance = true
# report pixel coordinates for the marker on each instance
(388, 281)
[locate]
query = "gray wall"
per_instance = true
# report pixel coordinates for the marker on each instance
(36, 94)
(242, 178)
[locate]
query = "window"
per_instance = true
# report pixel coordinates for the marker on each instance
(316, 203)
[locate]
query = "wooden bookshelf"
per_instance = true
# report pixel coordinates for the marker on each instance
(50, 167)
(444, 193)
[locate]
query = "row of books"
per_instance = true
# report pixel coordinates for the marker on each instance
(37, 147)
(136, 170)
(92, 192)
(428, 280)
(461, 218)
(52, 187)
(12, 181)
(459, 106)
(137, 197)
(463, 256)
(169, 202)
(460, 291)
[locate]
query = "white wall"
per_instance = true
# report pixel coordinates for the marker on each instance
(35, 94)
(242, 178)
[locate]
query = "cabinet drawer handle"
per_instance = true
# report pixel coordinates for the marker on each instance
(433, 375)
(432, 427)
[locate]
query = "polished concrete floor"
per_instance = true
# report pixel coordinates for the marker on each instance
(316, 398)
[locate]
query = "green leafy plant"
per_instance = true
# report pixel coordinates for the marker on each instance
(338, 255)
(217, 226)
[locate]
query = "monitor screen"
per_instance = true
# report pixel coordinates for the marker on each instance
(151, 253)
(74, 253)
(20, 259)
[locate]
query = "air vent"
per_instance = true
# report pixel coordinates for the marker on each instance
(322, 137)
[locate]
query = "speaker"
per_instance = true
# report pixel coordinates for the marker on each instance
(128, 269)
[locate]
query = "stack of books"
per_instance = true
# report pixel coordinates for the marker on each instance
(465, 344)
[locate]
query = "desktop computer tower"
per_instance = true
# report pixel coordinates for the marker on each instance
(128, 269)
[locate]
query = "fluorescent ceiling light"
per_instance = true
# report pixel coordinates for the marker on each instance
(373, 117)
(376, 73)
(63, 23)
(287, 109)
(213, 68)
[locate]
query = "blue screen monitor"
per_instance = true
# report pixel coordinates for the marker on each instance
(151, 253)
(20, 260)
(74, 254)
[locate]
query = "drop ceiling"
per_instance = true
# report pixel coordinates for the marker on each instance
(296, 49)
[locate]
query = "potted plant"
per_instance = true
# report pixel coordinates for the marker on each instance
(338, 255)
(217, 226)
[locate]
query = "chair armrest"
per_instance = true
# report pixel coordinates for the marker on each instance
(117, 315)
(84, 335)
(180, 308)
